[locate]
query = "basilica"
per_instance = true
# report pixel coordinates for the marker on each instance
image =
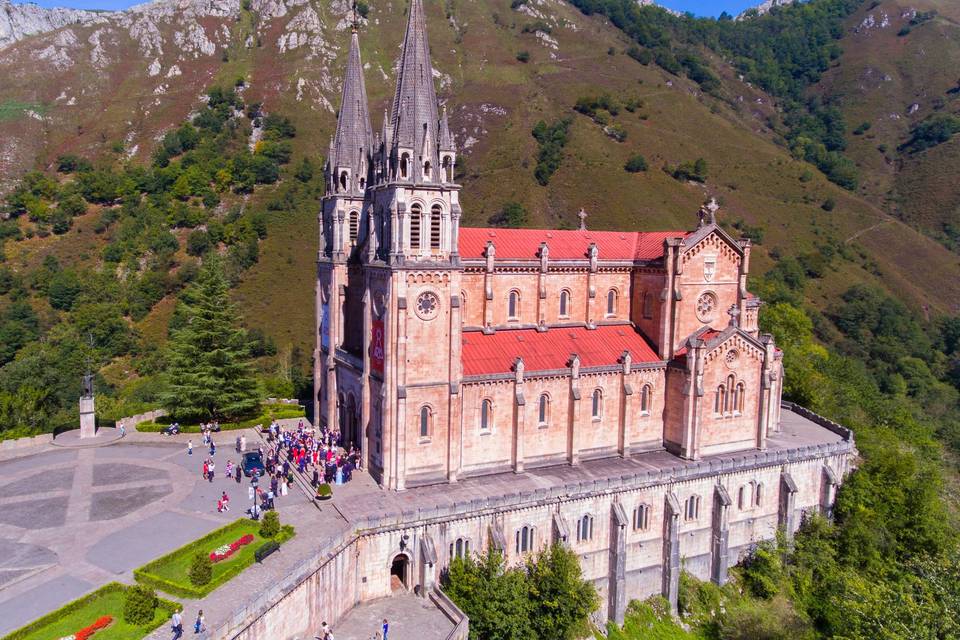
(446, 352)
(513, 388)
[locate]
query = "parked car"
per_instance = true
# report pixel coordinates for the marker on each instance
(253, 463)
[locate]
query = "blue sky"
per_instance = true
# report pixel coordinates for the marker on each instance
(698, 7)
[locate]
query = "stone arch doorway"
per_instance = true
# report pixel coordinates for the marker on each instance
(400, 573)
(351, 424)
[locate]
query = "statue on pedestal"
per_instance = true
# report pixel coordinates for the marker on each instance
(88, 419)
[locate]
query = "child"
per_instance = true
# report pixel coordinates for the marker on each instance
(189, 447)
(225, 500)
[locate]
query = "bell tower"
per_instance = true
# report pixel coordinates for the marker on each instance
(416, 208)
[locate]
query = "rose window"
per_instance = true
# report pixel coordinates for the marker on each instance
(731, 357)
(706, 305)
(427, 305)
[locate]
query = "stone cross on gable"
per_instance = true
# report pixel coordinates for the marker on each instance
(583, 219)
(708, 213)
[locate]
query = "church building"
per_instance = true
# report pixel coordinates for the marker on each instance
(446, 352)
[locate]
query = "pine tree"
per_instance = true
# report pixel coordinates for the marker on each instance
(209, 359)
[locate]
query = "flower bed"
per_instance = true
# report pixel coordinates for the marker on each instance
(225, 551)
(101, 623)
(169, 573)
(104, 603)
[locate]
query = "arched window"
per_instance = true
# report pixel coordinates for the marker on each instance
(641, 517)
(354, 227)
(524, 539)
(720, 400)
(585, 528)
(486, 414)
(435, 218)
(447, 169)
(564, 303)
(343, 180)
(646, 397)
(741, 498)
(542, 408)
(363, 183)
(730, 399)
(426, 170)
(692, 508)
(463, 305)
(758, 495)
(513, 305)
(612, 302)
(426, 417)
(597, 406)
(459, 548)
(738, 398)
(404, 165)
(416, 213)
(647, 305)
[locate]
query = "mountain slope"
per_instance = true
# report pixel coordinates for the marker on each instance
(111, 88)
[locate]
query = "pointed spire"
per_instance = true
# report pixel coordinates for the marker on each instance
(354, 137)
(446, 138)
(414, 116)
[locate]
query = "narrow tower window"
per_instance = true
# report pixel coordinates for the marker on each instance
(404, 165)
(354, 227)
(611, 303)
(435, 220)
(486, 410)
(542, 409)
(513, 305)
(564, 303)
(425, 422)
(645, 394)
(415, 215)
(597, 409)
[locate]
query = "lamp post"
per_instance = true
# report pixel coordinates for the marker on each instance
(254, 483)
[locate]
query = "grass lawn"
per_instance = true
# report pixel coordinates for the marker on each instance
(170, 573)
(106, 601)
(268, 413)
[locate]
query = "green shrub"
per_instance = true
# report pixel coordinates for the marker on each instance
(523, 56)
(695, 171)
(828, 204)
(324, 491)
(636, 163)
(140, 605)
(271, 524)
(201, 569)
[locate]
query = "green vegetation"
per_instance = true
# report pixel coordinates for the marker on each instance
(545, 598)
(635, 164)
(523, 56)
(174, 572)
(552, 139)
(512, 215)
(108, 600)
(210, 375)
(270, 525)
(140, 605)
(784, 51)
(267, 414)
(201, 569)
(696, 171)
(147, 229)
(935, 130)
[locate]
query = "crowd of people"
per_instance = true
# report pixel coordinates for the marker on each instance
(309, 450)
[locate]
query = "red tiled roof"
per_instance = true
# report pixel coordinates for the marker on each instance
(496, 353)
(523, 244)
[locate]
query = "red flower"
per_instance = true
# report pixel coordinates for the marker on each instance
(86, 632)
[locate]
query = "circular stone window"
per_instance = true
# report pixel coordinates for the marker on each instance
(706, 306)
(731, 357)
(428, 304)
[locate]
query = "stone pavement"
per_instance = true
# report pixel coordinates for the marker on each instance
(410, 617)
(74, 519)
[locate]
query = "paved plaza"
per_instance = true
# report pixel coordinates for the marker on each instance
(74, 519)
(411, 618)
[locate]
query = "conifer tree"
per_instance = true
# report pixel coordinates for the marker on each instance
(209, 359)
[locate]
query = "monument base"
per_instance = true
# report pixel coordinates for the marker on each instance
(88, 419)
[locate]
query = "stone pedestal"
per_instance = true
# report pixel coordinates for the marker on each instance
(88, 421)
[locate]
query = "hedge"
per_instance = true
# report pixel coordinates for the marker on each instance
(79, 603)
(144, 576)
(268, 412)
